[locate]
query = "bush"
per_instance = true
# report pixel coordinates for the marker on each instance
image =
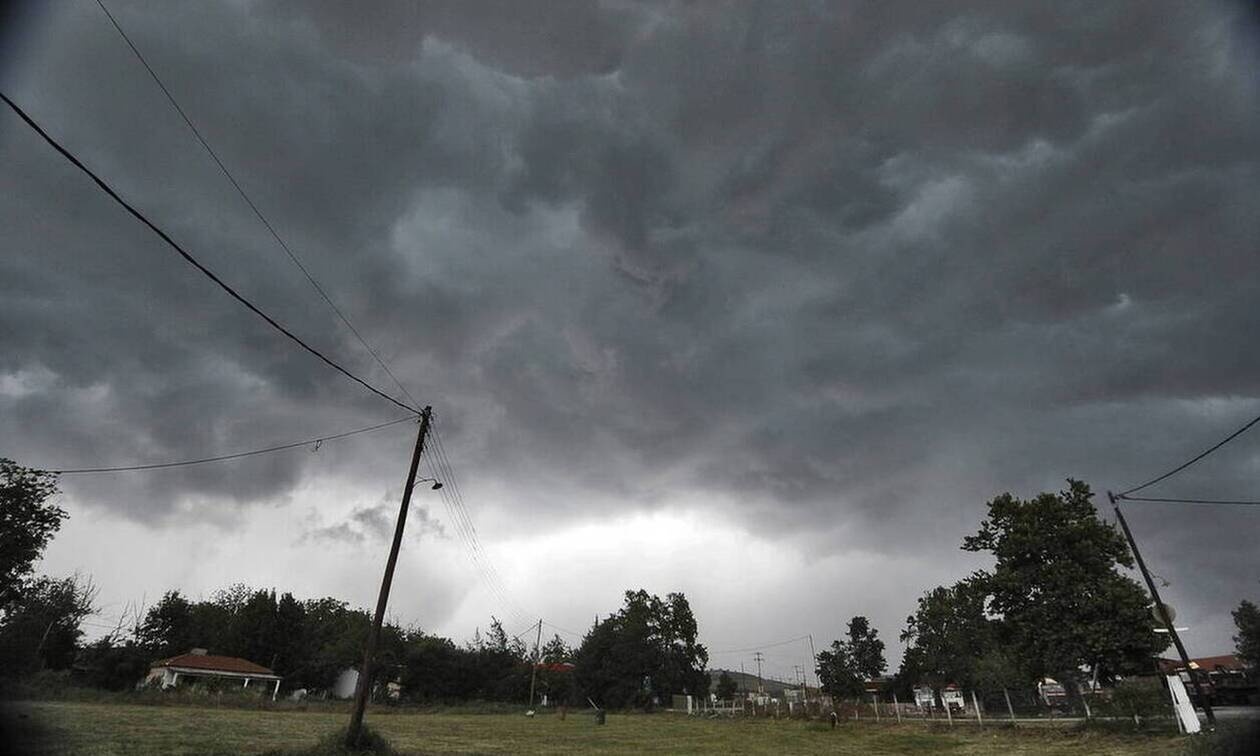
(1138, 699)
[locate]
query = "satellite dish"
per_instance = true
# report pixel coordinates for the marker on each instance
(1159, 617)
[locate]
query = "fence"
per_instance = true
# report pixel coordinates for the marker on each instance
(1141, 701)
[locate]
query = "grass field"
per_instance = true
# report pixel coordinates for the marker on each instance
(111, 728)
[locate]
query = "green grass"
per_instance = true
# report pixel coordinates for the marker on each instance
(57, 727)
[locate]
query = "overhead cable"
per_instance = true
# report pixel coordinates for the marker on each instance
(193, 261)
(238, 455)
(1189, 501)
(1184, 465)
(252, 205)
(765, 645)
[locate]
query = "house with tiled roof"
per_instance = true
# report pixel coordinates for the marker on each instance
(1227, 678)
(199, 666)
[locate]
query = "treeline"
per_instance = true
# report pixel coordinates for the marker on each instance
(638, 656)
(311, 642)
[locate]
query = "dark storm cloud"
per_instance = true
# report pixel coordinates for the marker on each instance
(859, 266)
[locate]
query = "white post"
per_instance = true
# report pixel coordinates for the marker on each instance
(875, 700)
(976, 703)
(246, 685)
(1006, 694)
(275, 690)
(175, 680)
(948, 714)
(896, 707)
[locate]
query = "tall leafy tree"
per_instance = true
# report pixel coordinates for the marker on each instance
(843, 669)
(27, 521)
(866, 649)
(837, 674)
(167, 629)
(645, 652)
(1063, 603)
(556, 651)
(1247, 641)
(947, 635)
(726, 687)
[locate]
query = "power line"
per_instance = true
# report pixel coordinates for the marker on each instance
(453, 498)
(238, 455)
(252, 205)
(193, 261)
(574, 633)
(758, 648)
(1188, 501)
(1183, 466)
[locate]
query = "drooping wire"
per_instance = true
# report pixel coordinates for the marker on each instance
(462, 534)
(761, 647)
(1189, 501)
(193, 261)
(1200, 456)
(495, 578)
(253, 206)
(476, 556)
(565, 630)
(452, 496)
(237, 455)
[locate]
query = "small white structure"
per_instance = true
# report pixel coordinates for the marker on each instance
(952, 696)
(924, 697)
(198, 665)
(346, 683)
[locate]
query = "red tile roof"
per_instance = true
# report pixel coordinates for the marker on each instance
(212, 663)
(555, 666)
(1205, 663)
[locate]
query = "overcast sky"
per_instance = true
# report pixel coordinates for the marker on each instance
(758, 302)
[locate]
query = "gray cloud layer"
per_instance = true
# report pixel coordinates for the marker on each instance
(856, 266)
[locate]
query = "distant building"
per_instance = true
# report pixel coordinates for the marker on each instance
(924, 697)
(952, 697)
(1227, 678)
(199, 666)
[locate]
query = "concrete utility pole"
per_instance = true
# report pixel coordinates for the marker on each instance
(364, 687)
(537, 657)
(1160, 609)
(760, 687)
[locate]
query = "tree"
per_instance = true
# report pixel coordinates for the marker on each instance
(726, 687)
(947, 635)
(843, 670)
(167, 627)
(1247, 620)
(866, 649)
(556, 651)
(27, 522)
(41, 628)
(643, 654)
(1063, 604)
(837, 674)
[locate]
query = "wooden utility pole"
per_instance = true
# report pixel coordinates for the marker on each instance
(364, 687)
(537, 657)
(1160, 610)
